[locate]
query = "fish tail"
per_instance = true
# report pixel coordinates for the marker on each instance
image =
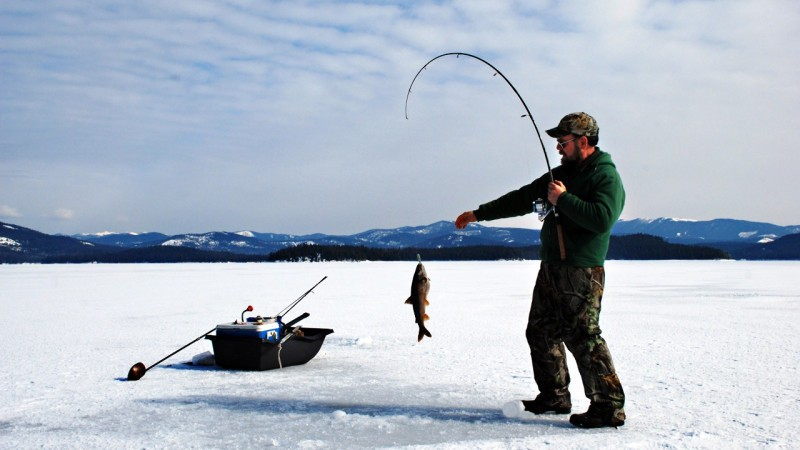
(423, 332)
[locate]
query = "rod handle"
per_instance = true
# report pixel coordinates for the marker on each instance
(296, 319)
(561, 248)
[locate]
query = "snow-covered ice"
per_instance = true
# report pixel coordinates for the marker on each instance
(706, 351)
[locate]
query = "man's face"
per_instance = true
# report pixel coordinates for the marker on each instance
(568, 148)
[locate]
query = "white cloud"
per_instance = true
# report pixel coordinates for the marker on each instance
(272, 110)
(8, 212)
(63, 214)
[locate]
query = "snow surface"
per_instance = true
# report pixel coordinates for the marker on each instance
(706, 351)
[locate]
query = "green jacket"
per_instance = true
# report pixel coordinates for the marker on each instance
(587, 211)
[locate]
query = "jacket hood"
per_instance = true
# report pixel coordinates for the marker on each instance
(599, 158)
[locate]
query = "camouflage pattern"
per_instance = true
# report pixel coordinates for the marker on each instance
(565, 310)
(579, 124)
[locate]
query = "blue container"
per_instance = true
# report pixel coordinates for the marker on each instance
(267, 329)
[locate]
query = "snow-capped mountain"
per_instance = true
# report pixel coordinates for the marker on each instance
(683, 231)
(220, 241)
(20, 244)
(122, 239)
(439, 234)
(742, 239)
(444, 234)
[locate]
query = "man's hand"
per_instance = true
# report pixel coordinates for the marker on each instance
(554, 190)
(465, 218)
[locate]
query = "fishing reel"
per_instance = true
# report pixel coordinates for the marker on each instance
(542, 208)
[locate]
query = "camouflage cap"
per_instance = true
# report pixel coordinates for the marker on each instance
(579, 124)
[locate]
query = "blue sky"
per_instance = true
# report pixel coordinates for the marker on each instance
(288, 116)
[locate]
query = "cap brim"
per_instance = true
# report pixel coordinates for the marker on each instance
(557, 132)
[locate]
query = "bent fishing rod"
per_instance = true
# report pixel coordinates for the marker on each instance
(527, 113)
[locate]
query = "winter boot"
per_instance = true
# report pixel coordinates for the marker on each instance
(543, 404)
(599, 415)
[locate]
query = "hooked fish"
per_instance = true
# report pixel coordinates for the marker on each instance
(420, 286)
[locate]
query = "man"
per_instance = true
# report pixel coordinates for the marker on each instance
(588, 197)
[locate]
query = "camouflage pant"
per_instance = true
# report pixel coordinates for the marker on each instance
(565, 310)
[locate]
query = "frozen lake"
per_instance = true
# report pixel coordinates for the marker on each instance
(706, 351)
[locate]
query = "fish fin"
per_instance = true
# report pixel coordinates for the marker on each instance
(427, 302)
(408, 302)
(425, 317)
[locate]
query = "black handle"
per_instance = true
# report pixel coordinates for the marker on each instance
(296, 319)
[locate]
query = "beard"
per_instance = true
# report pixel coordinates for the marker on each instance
(566, 161)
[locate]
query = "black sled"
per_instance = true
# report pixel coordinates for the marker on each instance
(259, 343)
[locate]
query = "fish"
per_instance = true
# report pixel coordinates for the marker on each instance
(420, 286)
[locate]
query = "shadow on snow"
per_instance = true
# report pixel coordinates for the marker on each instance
(294, 406)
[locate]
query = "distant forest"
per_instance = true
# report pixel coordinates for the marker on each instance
(635, 247)
(158, 254)
(361, 253)
(631, 247)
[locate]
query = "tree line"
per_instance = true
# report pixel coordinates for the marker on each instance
(632, 247)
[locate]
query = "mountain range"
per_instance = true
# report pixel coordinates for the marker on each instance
(741, 239)
(439, 234)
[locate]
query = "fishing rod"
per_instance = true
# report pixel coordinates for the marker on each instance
(294, 303)
(138, 370)
(527, 113)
